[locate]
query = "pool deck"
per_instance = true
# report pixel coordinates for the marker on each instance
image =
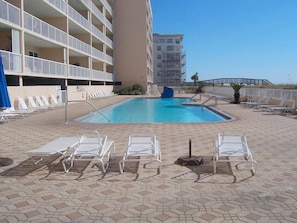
(44, 193)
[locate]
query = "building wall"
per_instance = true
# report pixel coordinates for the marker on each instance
(44, 38)
(132, 22)
(169, 59)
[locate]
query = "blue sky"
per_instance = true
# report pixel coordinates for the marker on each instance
(233, 38)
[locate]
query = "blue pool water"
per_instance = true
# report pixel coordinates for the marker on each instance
(153, 110)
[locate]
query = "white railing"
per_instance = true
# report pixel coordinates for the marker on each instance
(98, 33)
(108, 25)
(49, 68)
(102, 56)
(79, 45)
(253, 92)
(150, 78)
(9, 12)
(44, 29)
(107, 6)
(11, 61)
(102, 76)
(73, 14)
(93, 8)
(59, 4)
(79, 72)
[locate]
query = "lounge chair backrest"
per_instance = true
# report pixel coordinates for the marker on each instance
(22, 103)
(231, 137)
(32, 102)
(44, 99)
(39, 101)
(144, 132)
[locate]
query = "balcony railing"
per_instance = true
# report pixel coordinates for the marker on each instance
(93, 8)
(59, 4)
(44, 29)
(107, 6)
(102, 56)
(11, 61)
(102, 76)
(73, 14)
(96, 32)
(79, 45)
(150, 78)
(9, 12)
(79, 72)
(49, 68)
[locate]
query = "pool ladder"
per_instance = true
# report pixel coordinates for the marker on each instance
(86, 101)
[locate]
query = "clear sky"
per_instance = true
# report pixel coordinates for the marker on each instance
(233, 38)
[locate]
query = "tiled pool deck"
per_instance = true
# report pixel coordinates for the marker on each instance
(44, 193)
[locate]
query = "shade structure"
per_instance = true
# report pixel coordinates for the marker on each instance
(4, 97)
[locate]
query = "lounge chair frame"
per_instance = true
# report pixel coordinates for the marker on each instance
(232, 145)
(59, 146)
(142, 147)
(91, 149)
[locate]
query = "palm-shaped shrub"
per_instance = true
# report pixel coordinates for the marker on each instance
(236, 88)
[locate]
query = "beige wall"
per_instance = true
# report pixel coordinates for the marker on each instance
(130, 40)
(25, 91)
(82, 92)
(73, 92)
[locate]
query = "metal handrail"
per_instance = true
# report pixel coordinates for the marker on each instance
(215, 97)
(88, 102)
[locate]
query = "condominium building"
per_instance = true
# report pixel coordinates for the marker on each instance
(70, 44)
(169, 59)
(133, 40)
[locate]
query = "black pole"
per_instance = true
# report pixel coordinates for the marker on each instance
(190, 148)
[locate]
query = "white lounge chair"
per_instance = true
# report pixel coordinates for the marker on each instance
(4, 116)
(34, 105)
(91, 149)
(55, 101)
(12, 110)
(41, 103)
(59, 146)
(233, 146)
(24, 105)
(142, 145)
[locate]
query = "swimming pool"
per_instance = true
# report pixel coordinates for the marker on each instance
(154, 110)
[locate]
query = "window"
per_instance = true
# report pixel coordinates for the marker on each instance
(170, 48)
(169, 41)
(159, 56)
(177, 41)
(159, 48)
(162, 40)
(33, 54)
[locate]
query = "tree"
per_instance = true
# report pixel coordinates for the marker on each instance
(195, 78)
(236, 88)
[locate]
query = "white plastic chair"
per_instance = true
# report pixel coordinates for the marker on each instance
(91, 149)
(233, 146)
(142, 145)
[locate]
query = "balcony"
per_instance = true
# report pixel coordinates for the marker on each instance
(96, 32)
(79, 72)
(9, 12)
(44, 68)
(107, 6)
(79, 45)
(59, 4)
(11, 61)
(44, 29)
(78, 18)
(102, 76)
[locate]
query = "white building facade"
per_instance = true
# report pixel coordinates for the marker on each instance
(169, 60)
